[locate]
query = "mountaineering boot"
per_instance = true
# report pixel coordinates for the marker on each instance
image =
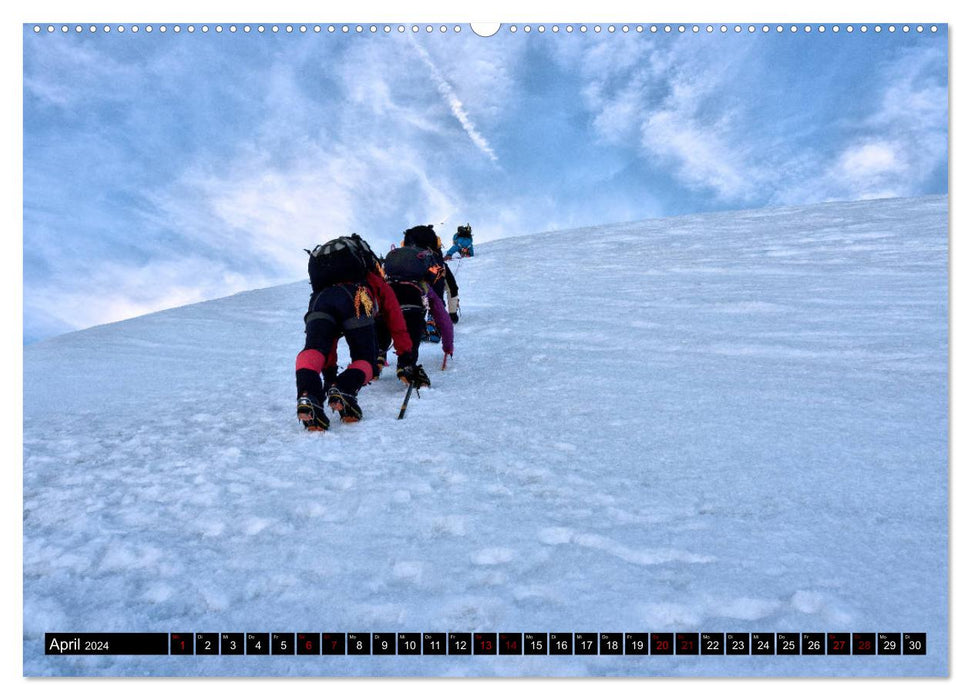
(344, 404)
(311, 413)
(414, 374)
(330, 376)
(431, 332)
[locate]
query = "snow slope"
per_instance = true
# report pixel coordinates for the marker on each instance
(717, 423)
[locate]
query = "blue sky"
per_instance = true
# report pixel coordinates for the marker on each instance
(163, 169)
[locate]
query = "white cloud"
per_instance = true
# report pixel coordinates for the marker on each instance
(362, 136)
(868, 170)
(867, 160)
(358, 146)
(65, 73)
(895, 149)
(692, 108)
(269, 212)
(485, 74)
(661, 101)
(125, 291)
(455, 105)
(701, 157)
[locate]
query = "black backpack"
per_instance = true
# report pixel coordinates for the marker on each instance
(409, 263)
(336, 261)
(463, 231)
(422, 237)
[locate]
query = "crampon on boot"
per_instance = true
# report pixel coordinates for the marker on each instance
(431, 332)
(414, 375)
(345, 404)
(311, 414)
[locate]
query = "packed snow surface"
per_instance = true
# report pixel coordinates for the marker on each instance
(718, 423)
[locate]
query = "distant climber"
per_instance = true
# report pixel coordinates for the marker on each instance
(461, 243)
(444, 285)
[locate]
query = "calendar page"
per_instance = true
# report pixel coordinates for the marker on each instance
(522, 349)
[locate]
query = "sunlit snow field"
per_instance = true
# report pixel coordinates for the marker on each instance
(728, 422)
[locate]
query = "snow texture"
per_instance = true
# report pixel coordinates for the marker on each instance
(717, 423)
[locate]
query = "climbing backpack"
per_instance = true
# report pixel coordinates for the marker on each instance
(410, 264)
(336, 261)
(423, 237)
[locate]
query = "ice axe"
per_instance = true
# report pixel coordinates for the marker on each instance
(404, 405)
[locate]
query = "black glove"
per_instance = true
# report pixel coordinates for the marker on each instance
(414, 374)
(406, 359)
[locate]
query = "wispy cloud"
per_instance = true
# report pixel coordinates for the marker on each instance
(115, 291)
(716, 122)
(455, 104)
(270, 212)
(699, 154)
(206, 164)
(891, 150)
(91, 71)
(665, 102)
(241, 226)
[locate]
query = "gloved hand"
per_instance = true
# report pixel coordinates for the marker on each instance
(407, 358)
(414, 374)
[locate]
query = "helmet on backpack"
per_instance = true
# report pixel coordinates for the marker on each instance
(370, 258)
(423, 237)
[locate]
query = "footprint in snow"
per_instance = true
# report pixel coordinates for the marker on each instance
(642, 557)
(453, 525)
(256, 525)
(745, 608)
(493, 555)
(408, 570)
(158, 593)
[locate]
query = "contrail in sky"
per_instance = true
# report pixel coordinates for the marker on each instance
(455, 104)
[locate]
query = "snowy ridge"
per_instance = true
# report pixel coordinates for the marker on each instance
(726, 422)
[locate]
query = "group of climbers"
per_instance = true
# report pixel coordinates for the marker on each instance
(373, 303)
